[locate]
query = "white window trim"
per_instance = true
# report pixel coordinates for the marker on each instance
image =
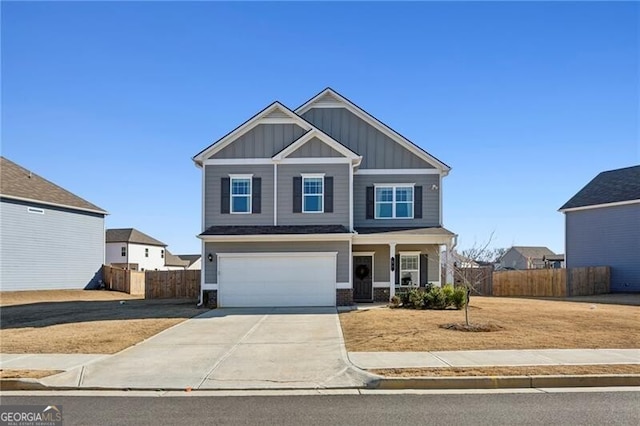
(393, 211)
(250, 195)
(409, 253)
(313, 176)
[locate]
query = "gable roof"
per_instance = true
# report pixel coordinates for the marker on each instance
(190, 258)
(330, 98)
(275, 112)
(171, 259)
(131, 235)
(316, 133)
(18, 183)
(531, 252)
(612, 186)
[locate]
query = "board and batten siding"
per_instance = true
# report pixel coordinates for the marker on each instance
(263, 141)
(213, 176)
(315, 148)
(340, 214)
(377, 149)
(430, 200)
(58, 249)
(607, 236)
(341, 247)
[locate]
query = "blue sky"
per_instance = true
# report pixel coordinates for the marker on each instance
(526, 101)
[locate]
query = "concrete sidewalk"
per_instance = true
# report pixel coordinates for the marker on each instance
(47, 361)
(494, 358)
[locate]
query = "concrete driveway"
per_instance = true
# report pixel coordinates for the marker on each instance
(255, 348)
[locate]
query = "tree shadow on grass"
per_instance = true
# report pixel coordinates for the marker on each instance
(44, 314)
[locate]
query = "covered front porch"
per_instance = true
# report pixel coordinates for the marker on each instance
(386, 262)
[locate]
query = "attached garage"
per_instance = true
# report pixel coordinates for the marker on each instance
(276, 279)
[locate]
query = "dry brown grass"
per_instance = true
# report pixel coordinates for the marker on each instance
(8, 373)
(540, 370)
(10, 298)
(527, 324)
(92, 322)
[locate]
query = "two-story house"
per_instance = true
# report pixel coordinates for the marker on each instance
(319, 206)
(129, 248)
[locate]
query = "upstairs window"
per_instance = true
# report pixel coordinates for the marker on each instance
(394, 202)
(241, 194)
(161, 254)
(313, 194)
(146, 252)
(123, 251)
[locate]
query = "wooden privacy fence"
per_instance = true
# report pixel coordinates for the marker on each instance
(552, 282)
(123, 280)
(181, 284)
(479, 279)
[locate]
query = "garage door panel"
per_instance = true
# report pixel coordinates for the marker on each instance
(277, 280)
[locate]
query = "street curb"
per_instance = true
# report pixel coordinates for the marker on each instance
(507, 382)
(391, 383)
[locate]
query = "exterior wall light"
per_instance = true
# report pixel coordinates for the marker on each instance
(210, 257)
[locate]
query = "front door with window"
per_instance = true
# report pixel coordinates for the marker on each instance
(363, 278)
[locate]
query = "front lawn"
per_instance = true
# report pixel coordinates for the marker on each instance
(526, 324)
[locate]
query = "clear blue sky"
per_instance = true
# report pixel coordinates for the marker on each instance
(526, 101)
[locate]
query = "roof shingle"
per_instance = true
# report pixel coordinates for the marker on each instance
(131, 235)
(608, 187)
(276, 230)
(18, 182)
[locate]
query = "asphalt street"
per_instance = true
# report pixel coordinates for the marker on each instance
(584, 408)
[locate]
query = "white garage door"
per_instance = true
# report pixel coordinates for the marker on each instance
(277, 279)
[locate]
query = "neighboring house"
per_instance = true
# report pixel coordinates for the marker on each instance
(194, 261)
(49, 237)
(319, 206)
(173, 262)
(520, 257)
(129, 248)
(602, 227)
(553, 261)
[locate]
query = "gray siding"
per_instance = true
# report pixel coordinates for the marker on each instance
(430, 200)
(263, 141)
(340, 215)
(214, 173)
(606, 236)
(60, 249)
(342, 247)
(313, 149)
(513, 259)
(381, 267)
(380, 260)
(379, 151)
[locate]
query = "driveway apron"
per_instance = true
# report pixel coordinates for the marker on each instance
(252, 348)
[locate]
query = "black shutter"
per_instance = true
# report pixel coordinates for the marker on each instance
(328, 194)
(417, 202)
(225, 197)
(370, 203)
(424, 270)
(256, 195)
(297, 194)
(397, 269)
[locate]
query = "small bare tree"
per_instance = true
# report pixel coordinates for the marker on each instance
(472, 267)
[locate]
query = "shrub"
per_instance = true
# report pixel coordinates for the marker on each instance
(435, 299)
(415, 298)
(395, 302)
(447, 291)
(459, 297)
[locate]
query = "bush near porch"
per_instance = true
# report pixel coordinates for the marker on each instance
(431, 297)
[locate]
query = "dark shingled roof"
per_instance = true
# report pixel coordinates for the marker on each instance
(190, 258)
(608, 187)
(276, 230)
(171, 259)
(534, 252)
(131, 235)
(18, 182)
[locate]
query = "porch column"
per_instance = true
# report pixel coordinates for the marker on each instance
(392, 273)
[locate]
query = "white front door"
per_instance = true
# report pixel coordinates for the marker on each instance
(276, 279)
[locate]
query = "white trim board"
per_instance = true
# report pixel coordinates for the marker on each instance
(46, 203)
(599, 206)
(323, 137)
(397, 172)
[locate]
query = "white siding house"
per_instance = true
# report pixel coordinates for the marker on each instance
(131, 249)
